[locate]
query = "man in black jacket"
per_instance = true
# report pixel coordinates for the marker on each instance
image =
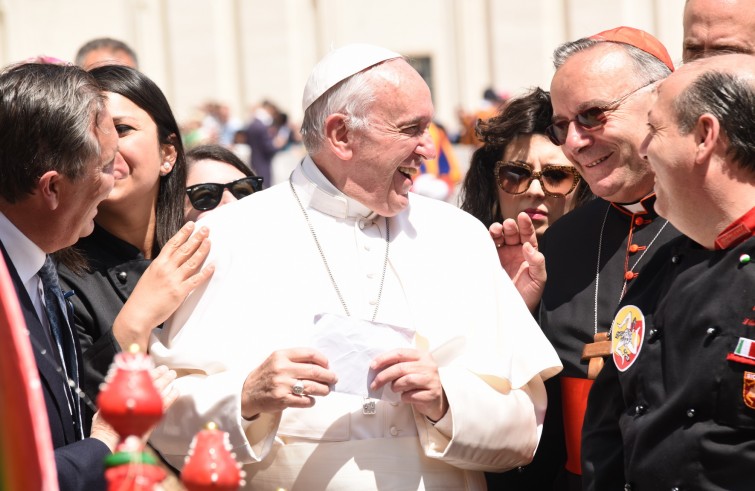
(674, 407)
(57, 151)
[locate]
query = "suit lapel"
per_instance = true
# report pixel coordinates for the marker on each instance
(51, 380)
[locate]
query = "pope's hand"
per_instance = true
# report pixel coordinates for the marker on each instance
(517, 251)
(271, 386)
(413, 374)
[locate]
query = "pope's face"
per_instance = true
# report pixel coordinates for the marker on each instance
(395, 142)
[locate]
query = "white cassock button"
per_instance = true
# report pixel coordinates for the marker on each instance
(361, 224)
(367, 247)
(370, 275)
(394, 431)
(373, 302)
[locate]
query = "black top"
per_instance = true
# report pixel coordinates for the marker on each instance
(567, 310)
(570, 246)
(115, 268)
(683, 409)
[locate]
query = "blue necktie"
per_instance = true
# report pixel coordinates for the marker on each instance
(62, 337)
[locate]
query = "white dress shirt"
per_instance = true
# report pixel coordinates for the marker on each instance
(28, 259)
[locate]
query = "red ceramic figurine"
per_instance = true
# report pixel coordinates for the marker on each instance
(210, 464)
(131, 469)
(129, 400)
(130, 403)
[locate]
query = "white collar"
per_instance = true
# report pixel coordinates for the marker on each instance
(25, 255)
(633, 208)
(323, 196)
(640, 206)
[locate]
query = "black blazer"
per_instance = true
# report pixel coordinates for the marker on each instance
(80, 464)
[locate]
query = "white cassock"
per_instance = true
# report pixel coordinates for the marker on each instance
(443, 280)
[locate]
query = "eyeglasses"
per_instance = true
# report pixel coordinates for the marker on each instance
(590, 119)
(207, 196)
(516, 178)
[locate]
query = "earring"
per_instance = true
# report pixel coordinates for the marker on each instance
(166, 165)
(166, 169)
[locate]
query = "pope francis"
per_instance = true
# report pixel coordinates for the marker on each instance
(340, 262)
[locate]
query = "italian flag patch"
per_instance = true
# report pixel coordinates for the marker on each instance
(745, 348)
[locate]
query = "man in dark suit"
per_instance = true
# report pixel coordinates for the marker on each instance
(262, 141)
(57, 151)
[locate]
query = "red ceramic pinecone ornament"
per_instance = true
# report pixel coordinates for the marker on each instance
(129, 401)
(210, 464)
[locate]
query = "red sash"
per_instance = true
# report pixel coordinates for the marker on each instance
(574, 399)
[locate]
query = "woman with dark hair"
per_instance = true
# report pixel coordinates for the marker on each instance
(138, 230)
(518, 169)
(215, 176)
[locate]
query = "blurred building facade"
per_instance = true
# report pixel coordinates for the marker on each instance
(239, 52)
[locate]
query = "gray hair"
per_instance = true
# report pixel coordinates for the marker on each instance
(731, 100)
(353, 97)
(647, 68)
(47, 113)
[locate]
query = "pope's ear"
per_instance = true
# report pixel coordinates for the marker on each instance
(707, 136)
(338, 137)
(49, 188)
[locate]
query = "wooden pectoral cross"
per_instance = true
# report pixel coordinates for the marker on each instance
(595, 352)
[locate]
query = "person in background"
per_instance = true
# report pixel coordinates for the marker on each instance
(718, 27)
(218, 123)
(262, 138)
(674, 408)
(489, 106)
(215, 176)
(105, 51)
(57, 151)
(518, 169)
(363, 251)
(438, 176)
(121, 294)
(241, 148)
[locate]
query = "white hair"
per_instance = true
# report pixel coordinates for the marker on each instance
(353, 97)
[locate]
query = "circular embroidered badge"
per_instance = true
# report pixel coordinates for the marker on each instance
(627, 333)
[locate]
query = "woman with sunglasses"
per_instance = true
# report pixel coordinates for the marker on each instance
(518, 169)
(138, 234)
(215, 176)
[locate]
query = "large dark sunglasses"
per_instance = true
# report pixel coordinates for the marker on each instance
(207, 196)
(516, 178)
(590, 119)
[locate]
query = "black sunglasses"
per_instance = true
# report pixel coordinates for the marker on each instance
(207, 196)
(516, 178)
(590, 119)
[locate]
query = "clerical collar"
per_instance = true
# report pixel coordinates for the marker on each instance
(326, 198)
(645, 205)
(740, 230)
